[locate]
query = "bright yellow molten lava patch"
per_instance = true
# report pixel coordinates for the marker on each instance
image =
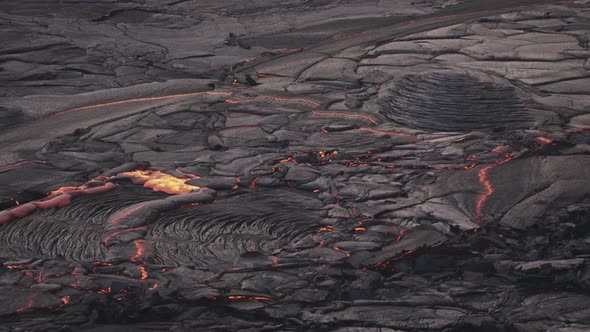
(159, 181)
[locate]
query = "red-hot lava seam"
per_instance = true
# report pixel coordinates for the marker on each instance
(136, 100)
(127, 230)
(21, 163)
(483, 177)
(29, 304)
(56, 200)
(346, 115)
(384, 264)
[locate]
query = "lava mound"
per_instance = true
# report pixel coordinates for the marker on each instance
(453, 102)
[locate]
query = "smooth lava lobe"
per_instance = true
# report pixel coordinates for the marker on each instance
(453, 102)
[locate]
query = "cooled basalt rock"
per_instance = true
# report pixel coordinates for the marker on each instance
(453, 102)
(330, 166)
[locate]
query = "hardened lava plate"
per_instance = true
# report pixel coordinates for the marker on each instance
(453, 102)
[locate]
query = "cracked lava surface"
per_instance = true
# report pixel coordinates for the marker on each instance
(295, 165)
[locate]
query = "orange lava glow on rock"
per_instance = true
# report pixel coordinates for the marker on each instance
(65, 300)
(159, 181)
(543, 140)
(483, 177)
(139, 251)
(342, 251)
(346, 115)
(248, 298)
(144, 273)
(405, 254)
(29, 304)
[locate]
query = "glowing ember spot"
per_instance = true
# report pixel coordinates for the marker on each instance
(469, 167)
(159, 181)
(391, 133)
(137, 100)
(154, 287)
(235, 81)
(235, 187)
(346, 115)
(144, 273)
(360, 229)
(483, 177)
(326, 229)
(107, 290)
(65, 301)
(543, 140)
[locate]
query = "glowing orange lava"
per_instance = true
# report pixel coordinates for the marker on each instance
(483, 177)
(543, 140)
(65, 300)
(248, 298)
(342, 251)
(139, 251)
(160, 181)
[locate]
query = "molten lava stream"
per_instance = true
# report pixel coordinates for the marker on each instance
(159, 181)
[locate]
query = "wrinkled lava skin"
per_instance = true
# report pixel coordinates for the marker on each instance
(295, 166)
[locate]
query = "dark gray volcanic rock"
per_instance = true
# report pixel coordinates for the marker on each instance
(295, 166)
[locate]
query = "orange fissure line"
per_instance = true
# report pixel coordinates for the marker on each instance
(137, 100)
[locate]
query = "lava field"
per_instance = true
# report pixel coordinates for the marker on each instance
(265, 165)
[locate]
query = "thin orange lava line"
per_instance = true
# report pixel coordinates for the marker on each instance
(483, 177)
(29, 304)
(136, 100)
(16, 164)
(315, 104)
(346, 115)
(381, 132)
(543, 140)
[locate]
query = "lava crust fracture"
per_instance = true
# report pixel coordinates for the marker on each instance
(266, 165)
